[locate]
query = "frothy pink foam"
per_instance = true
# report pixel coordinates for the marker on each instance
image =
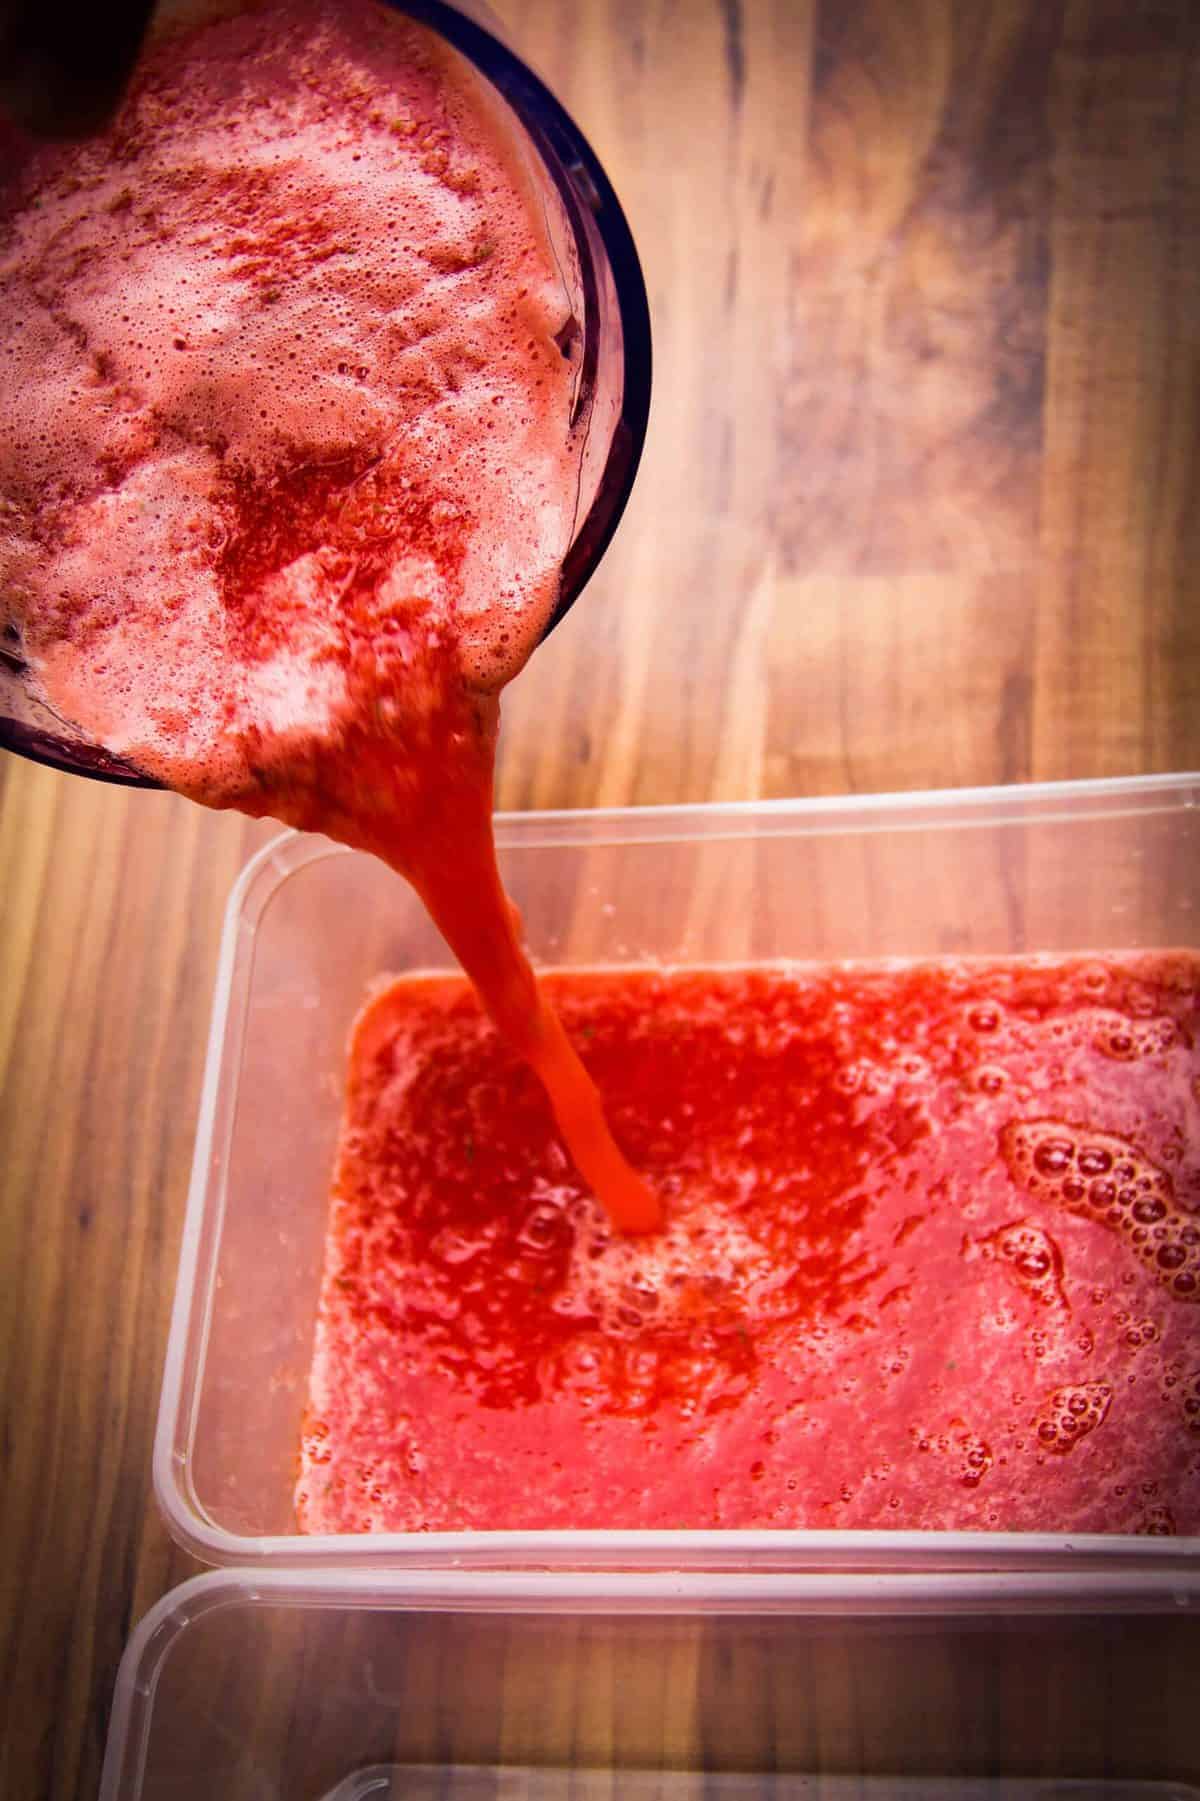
(281, 375)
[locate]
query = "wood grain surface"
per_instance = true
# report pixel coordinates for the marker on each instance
(920, 507)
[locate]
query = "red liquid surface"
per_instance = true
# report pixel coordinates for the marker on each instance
(291, 455)
(932, 1258)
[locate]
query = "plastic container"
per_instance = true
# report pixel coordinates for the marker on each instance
(256, 1686)
(1108, 865)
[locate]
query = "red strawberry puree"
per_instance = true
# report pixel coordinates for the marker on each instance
(287, 470)
(932, 1258)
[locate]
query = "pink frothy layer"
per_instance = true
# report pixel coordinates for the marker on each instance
(285, 410)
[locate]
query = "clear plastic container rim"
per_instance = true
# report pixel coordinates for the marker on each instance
(956, 809)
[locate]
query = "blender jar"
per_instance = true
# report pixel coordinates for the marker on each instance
(610, 314)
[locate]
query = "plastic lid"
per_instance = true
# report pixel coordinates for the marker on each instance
(253, 1685)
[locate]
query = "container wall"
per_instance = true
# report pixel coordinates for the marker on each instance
(310, 945)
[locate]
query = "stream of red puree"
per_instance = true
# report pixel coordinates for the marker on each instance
(288, 467)
(931, 1259)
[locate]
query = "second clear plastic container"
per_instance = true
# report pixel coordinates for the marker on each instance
(1075, 867)
(286, 1686)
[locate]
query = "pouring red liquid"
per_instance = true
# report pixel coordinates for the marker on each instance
(293, 461)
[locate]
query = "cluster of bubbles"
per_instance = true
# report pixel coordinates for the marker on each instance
(1124, 1039)
(1031, 1256)
(314, 1441)
(1101, 1177)
(1136, 1333)
(696, 1268)
(1068, 1415)
(973, 1454)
